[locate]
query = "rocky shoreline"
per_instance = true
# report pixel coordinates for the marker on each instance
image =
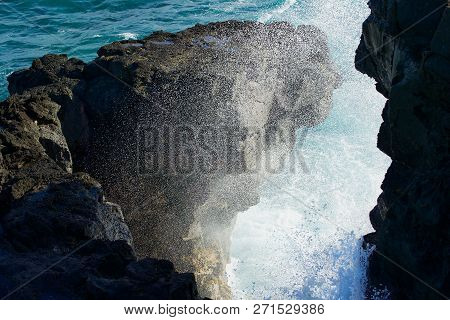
(405, 47)
(80, 220)
(59, 237)
(65, 117)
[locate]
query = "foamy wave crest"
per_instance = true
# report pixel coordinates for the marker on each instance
(302, 241)
(128, 36)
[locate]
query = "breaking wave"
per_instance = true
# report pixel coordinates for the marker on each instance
(302, 241)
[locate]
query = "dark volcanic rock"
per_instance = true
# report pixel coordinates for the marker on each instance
(55, 225)
(409, 57)
(238, 80)
(98, 270)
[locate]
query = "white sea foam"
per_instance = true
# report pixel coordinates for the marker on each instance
(308, 245)
(128, 36)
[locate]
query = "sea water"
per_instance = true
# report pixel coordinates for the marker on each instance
(303, 239)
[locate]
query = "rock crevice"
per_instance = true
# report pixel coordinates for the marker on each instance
(405, 48)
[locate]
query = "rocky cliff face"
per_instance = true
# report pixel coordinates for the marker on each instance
(59, 237)
(405, 47)
(212, 101)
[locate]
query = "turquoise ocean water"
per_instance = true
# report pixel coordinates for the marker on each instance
(32, 28)
(283, 247)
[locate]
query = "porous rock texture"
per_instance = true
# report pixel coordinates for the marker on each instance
(229, 78)
(405, 47)
(59, 238)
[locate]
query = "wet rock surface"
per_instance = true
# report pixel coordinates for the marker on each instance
(67, 116)
(405, 48)
(59, 238)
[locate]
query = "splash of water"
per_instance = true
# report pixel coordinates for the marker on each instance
(303, 240)
(280, 247)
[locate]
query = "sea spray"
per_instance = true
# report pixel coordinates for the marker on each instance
(302, 241)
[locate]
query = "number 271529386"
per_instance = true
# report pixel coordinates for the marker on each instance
(295, 308)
